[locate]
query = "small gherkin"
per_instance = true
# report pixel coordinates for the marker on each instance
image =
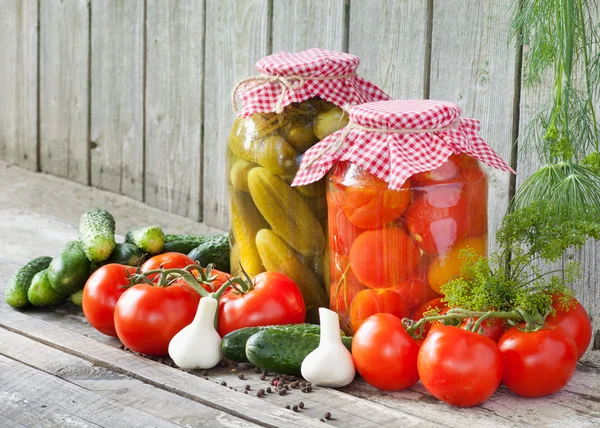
(97, 234)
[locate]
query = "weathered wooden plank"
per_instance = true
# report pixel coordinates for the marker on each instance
(117, 96)
(35, 398)
(390, 38)
(174, 53)
(18, 82)
(472, 64)
(300, 25)
(238, 38)
(64, 89)
(127, 391)
(193, 387)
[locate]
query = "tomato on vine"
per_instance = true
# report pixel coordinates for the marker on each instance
(572, 316)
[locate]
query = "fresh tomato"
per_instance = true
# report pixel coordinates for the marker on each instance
(101, 293)
(575, 320)
(342, 232)
(167, 261)
(443, 269)
(273, 299)
(492, 328)
(381, 258)
(221, 278)
(415, 292)
(459, 367)
(370, 302)
(384, 354)
(438, 218)
(426, 307)
(537, 363)
(367, 201)
(147, 317)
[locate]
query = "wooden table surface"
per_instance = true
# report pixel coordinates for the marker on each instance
(57, 371)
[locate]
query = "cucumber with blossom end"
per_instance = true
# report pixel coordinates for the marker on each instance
(97, 234)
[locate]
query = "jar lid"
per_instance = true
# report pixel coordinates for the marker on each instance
(398, 138)
(298, 76)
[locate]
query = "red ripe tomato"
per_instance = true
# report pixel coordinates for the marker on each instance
(221, 278)
(537, 363)
(575, 320)
(274, 299)
(147, 317)
(492, 328)
(459, 367)
(384, 354)
(342, 232)
(415, 292)
(167, 261)
(381, 258)
(370, 302)
(432, 304)
(101, 293)
(438, 218)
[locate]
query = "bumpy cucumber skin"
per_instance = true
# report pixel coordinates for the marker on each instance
(15, 292)
(97, 234)
(216, 250)
(182, 243)
(234, 343)
(76, 298)
(150, 239)
(283, 352)
(41, 292)
(69, 271)
(126, 254)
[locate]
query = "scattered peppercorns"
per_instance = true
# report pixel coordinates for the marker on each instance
(241, 376)
(257, 370)
(327, 415)
(269, 389)
(223, 383)
(204, 372)
(222, 364)
(245, 392)
(295, 408)
(301, 404)
(260, 393)
(282, 391)
(262, 377)
(287, 406)
(247, 387)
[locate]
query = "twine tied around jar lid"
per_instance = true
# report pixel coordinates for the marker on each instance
(286, 83)
(339, 142)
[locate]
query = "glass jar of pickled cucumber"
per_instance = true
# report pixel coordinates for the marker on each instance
(399, 221)
(276, 227)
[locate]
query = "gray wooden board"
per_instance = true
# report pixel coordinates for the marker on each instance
(389, 37)
(473, 65)
(18, 82)
(299, 25)
(117, 96)
(35, 398)
(64, 90)
(173, 153)
(238, 39)
(127, 391)
(27, 192)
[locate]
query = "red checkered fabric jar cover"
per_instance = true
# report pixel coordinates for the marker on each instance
(396, 139)
(295, 77)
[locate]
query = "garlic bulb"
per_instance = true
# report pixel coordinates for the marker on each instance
(198, 346)
(331, 363)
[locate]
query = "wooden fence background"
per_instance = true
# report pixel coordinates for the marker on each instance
(133, 96)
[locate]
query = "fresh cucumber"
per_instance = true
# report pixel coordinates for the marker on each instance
(126, 254)
(41, 292)
(97, 234)
(283, 351)
(234, 343)
(150, 239)
(15, 292)
(215, 249)
(182, 243)
(69, 271)
(76, 298)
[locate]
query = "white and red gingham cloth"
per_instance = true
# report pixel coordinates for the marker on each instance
(295, 77)
(396, 139)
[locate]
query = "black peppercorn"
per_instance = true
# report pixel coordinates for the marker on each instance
(327, 415)
(223, 383)
(241, 376)
(301, 404)
(247, 387)
(295, 408)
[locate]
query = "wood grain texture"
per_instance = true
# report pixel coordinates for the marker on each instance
(34, 398)
(18, 82)
(64, 89)
(473, 65)
(174, 53)
(239, 38)
(300, 25)
(389, 37)
(127, 391)
(117, 110)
